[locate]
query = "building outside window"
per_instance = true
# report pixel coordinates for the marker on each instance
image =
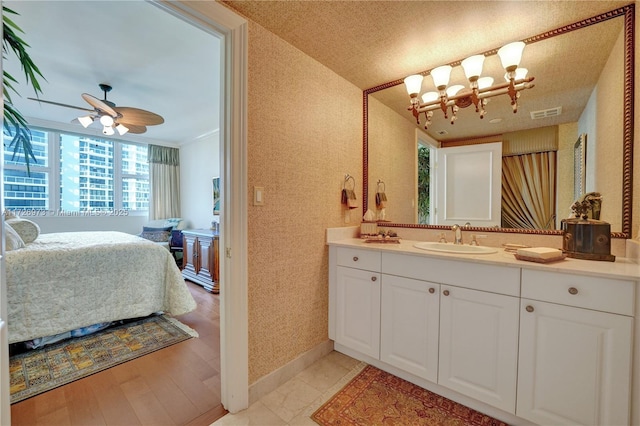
(77, 174)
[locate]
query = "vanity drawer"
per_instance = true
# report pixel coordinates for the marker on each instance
(483, 277)
(360, 259)
(601, 294)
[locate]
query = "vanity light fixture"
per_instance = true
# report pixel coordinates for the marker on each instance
(480, 88)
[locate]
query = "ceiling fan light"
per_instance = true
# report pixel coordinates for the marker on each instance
(473, 67)
(441, 76)
(85, 120)
(122, 129)
(107, 130)
(510, 55)
(106, 120)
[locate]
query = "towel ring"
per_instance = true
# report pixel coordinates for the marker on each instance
(378, 186)
(348, 178)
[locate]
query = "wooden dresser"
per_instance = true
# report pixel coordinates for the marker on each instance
(201, 258)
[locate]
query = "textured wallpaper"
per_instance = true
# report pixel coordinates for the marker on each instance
(393, 159)
(304, 135)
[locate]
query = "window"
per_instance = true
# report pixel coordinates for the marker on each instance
(76, 174)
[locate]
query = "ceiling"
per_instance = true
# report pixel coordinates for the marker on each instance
(157, 62)
(152, 59)
(373, 42)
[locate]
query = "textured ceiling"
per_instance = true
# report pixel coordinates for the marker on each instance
(373, 42)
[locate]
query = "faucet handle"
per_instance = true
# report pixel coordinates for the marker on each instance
(473, 242)
(443, 239)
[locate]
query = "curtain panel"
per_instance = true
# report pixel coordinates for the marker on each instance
(528, 191)
(164, 180)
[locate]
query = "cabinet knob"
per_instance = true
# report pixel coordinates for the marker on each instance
(446, 292)
(355, 258)
(432, 290)
(529, 308)
(573, 290)
(374, 278)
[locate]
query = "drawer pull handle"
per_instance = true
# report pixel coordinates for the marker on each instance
(529, 308)
(432, 290)
(355, 258)
(446, 292)
(374, 279)
(573, 290)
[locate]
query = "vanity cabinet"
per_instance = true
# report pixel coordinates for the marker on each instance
(410, 325)
(575, 349)
(479, 345)
(546, 345)
(358, 301)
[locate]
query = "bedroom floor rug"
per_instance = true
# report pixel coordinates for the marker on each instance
(375, 397)
(40, 370)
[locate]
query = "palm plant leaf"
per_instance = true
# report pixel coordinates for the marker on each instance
(15, 124)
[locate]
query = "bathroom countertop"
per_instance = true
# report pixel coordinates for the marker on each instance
(622, 268)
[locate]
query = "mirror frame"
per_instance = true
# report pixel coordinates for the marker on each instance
(628, 12)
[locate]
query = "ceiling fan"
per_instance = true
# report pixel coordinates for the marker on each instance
(113, 118)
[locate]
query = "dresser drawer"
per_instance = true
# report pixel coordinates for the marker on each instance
(602, 294)
(360, 259)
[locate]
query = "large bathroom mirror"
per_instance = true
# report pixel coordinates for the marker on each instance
(583, 87)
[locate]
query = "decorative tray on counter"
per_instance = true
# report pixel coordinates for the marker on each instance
(380, 239)
(540, 260)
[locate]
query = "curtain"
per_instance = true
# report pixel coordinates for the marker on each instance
(164, 180)
(528, 190)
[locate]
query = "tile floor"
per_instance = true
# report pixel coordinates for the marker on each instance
(294, 401)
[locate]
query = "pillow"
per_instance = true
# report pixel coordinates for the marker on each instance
(12, 240)
(159, 236)
(9, 214)
(27, 229)
(153, 229)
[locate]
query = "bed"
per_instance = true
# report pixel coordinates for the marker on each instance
(65, 281)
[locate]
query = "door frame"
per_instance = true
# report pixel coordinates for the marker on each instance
(234, 337)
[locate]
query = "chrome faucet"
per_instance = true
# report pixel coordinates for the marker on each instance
(457, 234)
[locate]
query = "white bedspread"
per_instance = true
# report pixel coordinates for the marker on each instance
(64, 281)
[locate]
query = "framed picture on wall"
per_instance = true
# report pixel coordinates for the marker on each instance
(216, 196)
(579, 166)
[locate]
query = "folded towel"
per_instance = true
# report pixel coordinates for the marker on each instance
(381, 200)
(540, 252)
(352, 202)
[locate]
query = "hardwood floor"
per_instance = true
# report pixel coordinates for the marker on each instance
(178, 385)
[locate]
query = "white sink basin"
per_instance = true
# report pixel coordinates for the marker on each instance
(455, 248)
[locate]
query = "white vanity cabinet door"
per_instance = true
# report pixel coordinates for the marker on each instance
(409, 325)
(358, 310)
(574, 365)
(479, 345)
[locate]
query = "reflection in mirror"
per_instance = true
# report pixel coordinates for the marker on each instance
(583, 84)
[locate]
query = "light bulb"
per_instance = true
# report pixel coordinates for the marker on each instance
(441, 76)
(510, 55)
(122, 129)
(106, 120)
(453, 90)
(108, 130)
(85, 120)
(473, 67)
(430, 97)
(413, 84)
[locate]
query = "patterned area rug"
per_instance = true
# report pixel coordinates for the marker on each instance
(375, 397)
(40, 370)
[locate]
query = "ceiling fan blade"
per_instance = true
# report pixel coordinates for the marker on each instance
(98, 104)
(62, 105)
(133, 128)
(139, 116)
